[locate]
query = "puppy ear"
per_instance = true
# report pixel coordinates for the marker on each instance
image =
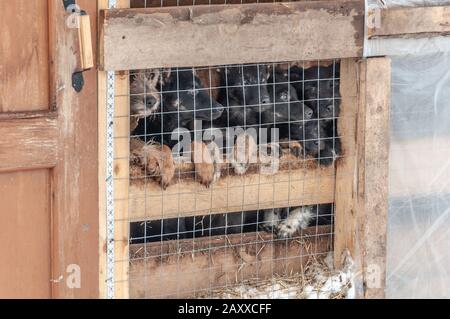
(166, 75)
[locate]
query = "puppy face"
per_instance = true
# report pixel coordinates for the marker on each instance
(286, 100)
(287, 107)
(185, 95)
(145, 98)
(314, 138)
(322, 89)
(247, 84)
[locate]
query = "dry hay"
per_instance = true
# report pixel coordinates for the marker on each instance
(319, 280)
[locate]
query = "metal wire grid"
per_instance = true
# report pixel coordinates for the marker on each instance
(254, 226)
(229, 248)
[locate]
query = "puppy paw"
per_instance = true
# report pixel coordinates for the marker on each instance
(298, 218)
(160, 164)
(244, 153)
(217, 159)
(285, 230)
(269, 158)
(240, 168)
(205, 172)
(270, 218)
(167, 167)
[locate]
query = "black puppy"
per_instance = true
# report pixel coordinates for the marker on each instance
(288, 114)
(286, 105)
(184, 99)
(245, 93)
(323, 98)
(318, 87)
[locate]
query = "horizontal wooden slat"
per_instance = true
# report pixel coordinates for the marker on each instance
(227, 34)
(28, 143)
(189, 267)
(232, 194)
(410, 22)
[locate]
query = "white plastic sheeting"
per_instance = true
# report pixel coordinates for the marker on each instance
(419, 208)
(404, 3)
(405, 46)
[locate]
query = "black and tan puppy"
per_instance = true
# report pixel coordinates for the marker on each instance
(145, 96)
(288, 113)
(184, 99)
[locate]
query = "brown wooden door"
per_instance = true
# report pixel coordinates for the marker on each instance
(48, 155)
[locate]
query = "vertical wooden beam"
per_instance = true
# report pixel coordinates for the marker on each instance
(102, 85)
(122, 183)
(362, 174)
(121, 176)
(74, 189)
(373, 172)
(345, 223)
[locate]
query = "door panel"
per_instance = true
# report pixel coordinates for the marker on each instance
(48, 153)
(25, 238)
(24, 55)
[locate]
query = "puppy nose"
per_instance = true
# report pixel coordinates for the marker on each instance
(309, 114)
(265, 100)
(219, 108)
(150, 101)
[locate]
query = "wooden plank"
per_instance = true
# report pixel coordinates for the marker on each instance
(345, 190)
(102, 96)
(228, 34)
(28, 143)
(25, 239)
(85, 41)
(24, 56)
(121, 187)
(121, 129)
(74, 178)
(232, 194)
(173, 3)
(373, 172)
(410, 22)
(182, 269)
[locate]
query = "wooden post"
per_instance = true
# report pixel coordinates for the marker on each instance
(345, 219)
(121, 175)
(362, 174)
(373, 170)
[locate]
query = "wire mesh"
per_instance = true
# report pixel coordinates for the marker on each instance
(227, 167)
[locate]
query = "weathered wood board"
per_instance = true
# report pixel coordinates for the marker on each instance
(183, 269)
(228, 34)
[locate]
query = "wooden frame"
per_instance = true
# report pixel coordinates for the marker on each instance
(362, 98)
(373, 173)
(74, 189)
(409, 22)
(293, 187)
(279, 32)
(121, 174)
(187, 270)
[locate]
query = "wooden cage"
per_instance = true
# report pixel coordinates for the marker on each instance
(53, 137)
(357, 184)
